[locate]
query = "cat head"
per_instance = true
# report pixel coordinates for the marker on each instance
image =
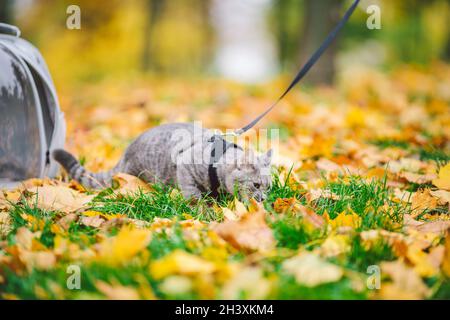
(248, 174)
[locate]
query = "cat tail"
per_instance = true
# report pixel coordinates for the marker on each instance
(80, 174)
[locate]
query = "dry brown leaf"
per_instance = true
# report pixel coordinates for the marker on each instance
(397, 241)
(229, 215)
(436, 226)
(41, 260)
(328, 165)
(251, 233)
(404, 196)
(67, 220)
(309, 216)
(125, 183)
(436, 256)
(407, 165)
(315, 194)
(24, 238)
(95, 221)
(282, 205)
(120, 222)
(5, 224)
(417, 177)
(422, 200)
(442, 196)
(8, 197)
(58, 198)
(238, 208)
(406, 283)
(116, 291)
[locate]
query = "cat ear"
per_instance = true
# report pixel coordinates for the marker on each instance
(266, 158)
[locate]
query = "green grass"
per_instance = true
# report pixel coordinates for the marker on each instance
(18, 212)
(290, 232)
(162, 243)
(426, 153)
(163, 202)
(368, 199)
(389, 143)
(440, 157)
(360, 258)
(280, 189)
(288, 289)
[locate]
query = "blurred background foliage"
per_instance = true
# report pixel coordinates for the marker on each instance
(135, 37)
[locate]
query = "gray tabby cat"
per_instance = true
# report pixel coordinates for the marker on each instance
(180, 153)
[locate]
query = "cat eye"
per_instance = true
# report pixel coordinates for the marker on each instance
(257, 185)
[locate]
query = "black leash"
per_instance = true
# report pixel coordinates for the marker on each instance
(305, 68)
(220, 145)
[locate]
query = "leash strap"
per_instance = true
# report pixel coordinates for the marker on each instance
(305, 68)
(219, 147)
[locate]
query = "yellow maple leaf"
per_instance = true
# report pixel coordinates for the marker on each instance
(180, 262)
(311, 270)
(406, 283)
(248, 280)
(446, 262)
(335, 245)
(421, 261)
(443, 180)
(344, 219)
(124, 246)
(422, 200)
(250, 233)
(117, 291)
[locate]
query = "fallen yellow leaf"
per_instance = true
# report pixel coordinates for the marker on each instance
(58, 198)
(446, 262)
(406, 283)
(346, 220)
(421, 201)
(116, 291)
(126, 183)
(249, 282)
(251, 233)
(310, 270)
(180, 262)
(124, 246)
(442, 196)
(443, 180)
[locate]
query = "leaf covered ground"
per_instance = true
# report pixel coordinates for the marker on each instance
(359, 207)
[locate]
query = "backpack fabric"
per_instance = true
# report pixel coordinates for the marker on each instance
(31, 122)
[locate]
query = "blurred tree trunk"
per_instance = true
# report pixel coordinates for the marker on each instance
(321, 16)
(208, 51)
(287, 21)
(6, 14)
(154, 10)
(446, 56)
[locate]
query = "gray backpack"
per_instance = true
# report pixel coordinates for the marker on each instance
(31, 122)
